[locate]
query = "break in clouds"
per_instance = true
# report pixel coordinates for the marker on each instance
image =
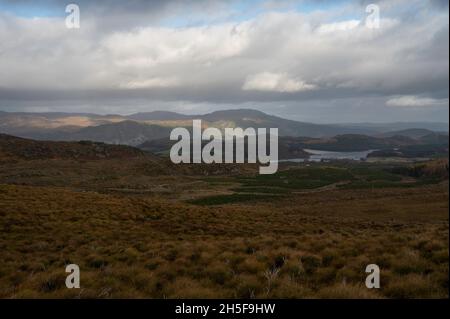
(316, 61)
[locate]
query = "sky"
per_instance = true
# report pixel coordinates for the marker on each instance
(317, 61)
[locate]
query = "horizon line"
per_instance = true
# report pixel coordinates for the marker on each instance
(221, 110)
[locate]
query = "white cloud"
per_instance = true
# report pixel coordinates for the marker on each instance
(42, 53)
(415, 101)
(153, 46)
(338, 26)
(150, 83)
(289, 56)
(275, 82)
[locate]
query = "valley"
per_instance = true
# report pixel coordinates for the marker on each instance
(140, 226)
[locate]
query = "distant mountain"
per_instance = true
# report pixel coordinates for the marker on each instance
(252, 118)
(158, 116)
(349, 143)
(434, 138)
(50, 126)
(285, 149)
(236, 115)
(12, 147)
(138, 128)
(412, 133)
(414, 151)
(30, 116)
(294, 147)
(399, 126)
(125, 132)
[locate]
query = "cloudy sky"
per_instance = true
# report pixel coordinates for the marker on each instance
(318, 61)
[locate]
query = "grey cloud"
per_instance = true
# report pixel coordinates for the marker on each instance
(109, 61)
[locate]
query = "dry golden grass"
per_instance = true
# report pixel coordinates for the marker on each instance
(311, 245)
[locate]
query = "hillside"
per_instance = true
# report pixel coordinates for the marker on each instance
(158, 116)
(415, 133)
(139, 229)
(434, 138)
(293, 147)
(12, 147)
(125, 132)
(138, 128)
(357, 142)
(251, 118)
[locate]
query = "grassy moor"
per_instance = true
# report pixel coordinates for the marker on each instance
(140, 226)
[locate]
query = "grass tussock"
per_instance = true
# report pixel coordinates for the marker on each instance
(302, 241)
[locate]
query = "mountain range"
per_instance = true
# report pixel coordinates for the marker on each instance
(139, 128)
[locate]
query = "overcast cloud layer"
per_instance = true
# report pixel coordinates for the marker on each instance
(312, 61)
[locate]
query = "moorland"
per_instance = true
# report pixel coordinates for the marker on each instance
(140, 226)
